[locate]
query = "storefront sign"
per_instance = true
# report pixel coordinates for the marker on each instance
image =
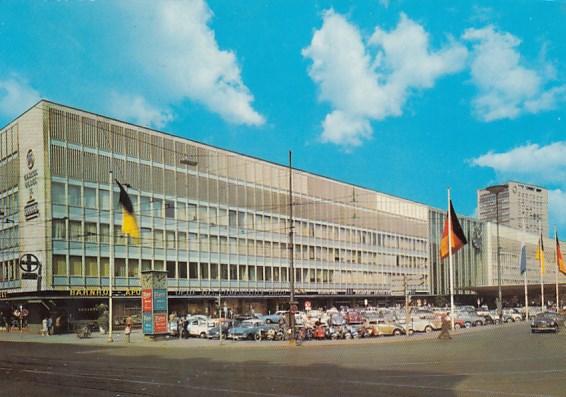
(3, 294)
(104, 292)
(147, 301)
(160, 300)
(160, 323)
(147, 319)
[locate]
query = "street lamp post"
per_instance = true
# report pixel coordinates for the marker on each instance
(497, 189)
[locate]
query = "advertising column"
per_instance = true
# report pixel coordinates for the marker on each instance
(154, 302)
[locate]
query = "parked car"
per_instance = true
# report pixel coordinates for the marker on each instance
(470, 318)
(214, 332)
(199, 327)
(423, 323)
(353, 317)
(384, 327)
(249, 329)
(513, 315)
(547, 322)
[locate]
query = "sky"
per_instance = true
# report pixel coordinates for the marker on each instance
(404, 97)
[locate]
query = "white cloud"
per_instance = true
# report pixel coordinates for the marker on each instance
(136, 109)
(539, 165)
(16, 96)
(362, 88)
(186, 61)
(531, 163)
(506, 88)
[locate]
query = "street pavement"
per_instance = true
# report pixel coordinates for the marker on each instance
(504, 360)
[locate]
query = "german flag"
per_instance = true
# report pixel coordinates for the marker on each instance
(559, 257)
(458, 238)
(540, 254)
(129, 224)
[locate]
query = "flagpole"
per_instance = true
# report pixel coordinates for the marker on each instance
(111, 259)
(450, 263)
(556, 274)
(540, 262)
(525, 274)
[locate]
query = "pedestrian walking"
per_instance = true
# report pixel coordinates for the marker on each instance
(445, 328)
(50, 325)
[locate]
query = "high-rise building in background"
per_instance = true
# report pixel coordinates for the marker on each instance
(521, 206)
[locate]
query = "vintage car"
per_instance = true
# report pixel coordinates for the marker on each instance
(214, 333)
(385, 328)
(547, 322)
(249, 329)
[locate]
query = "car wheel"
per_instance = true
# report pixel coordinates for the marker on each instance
(203, 335)
(457, 326)
(468, 324)
(478, 323)
(428, 329)
(268, 321)
(509, 320)
(257, 336)
(397, 332)
(496, 322)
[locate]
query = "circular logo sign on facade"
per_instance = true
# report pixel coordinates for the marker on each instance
(30, 159)
(29, 263)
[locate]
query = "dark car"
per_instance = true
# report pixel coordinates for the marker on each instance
(547, 322)
(213, 333)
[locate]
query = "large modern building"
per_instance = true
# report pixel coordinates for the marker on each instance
(219, 223)
(518, 205)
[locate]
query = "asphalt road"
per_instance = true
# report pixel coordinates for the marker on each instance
(495, 361)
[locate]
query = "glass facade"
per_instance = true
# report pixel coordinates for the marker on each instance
(221, 223)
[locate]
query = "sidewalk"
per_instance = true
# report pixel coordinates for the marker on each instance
(137, 339)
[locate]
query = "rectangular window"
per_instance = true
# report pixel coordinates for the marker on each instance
(214, 271)
(260, 273)
(182, 270)
(233, 272)
(275, 274)
(91, 266)
(182, 240)
(133, 268)
(59, 265)
(171, 269)
(192, 212)
(58, 194)
(242, 273)
(120, 267)
(76, 265)
(193, 270)
(224, 271)
(75, 196)
(158, 265)
(251, 273)
(76, 231)
(169, 209)
(193, 242)
(170, 235)
(104, 267)
(204, 271)
(90, 197)
(146, 265)
(59, 230)
(104, 199)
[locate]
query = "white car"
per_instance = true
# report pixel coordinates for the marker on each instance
(199, 327)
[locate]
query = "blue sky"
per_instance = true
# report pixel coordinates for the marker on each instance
(404, 97)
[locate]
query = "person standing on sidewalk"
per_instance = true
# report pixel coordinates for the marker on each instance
(445, 328)
(44, 327)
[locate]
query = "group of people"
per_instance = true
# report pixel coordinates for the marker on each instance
(50, 327)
